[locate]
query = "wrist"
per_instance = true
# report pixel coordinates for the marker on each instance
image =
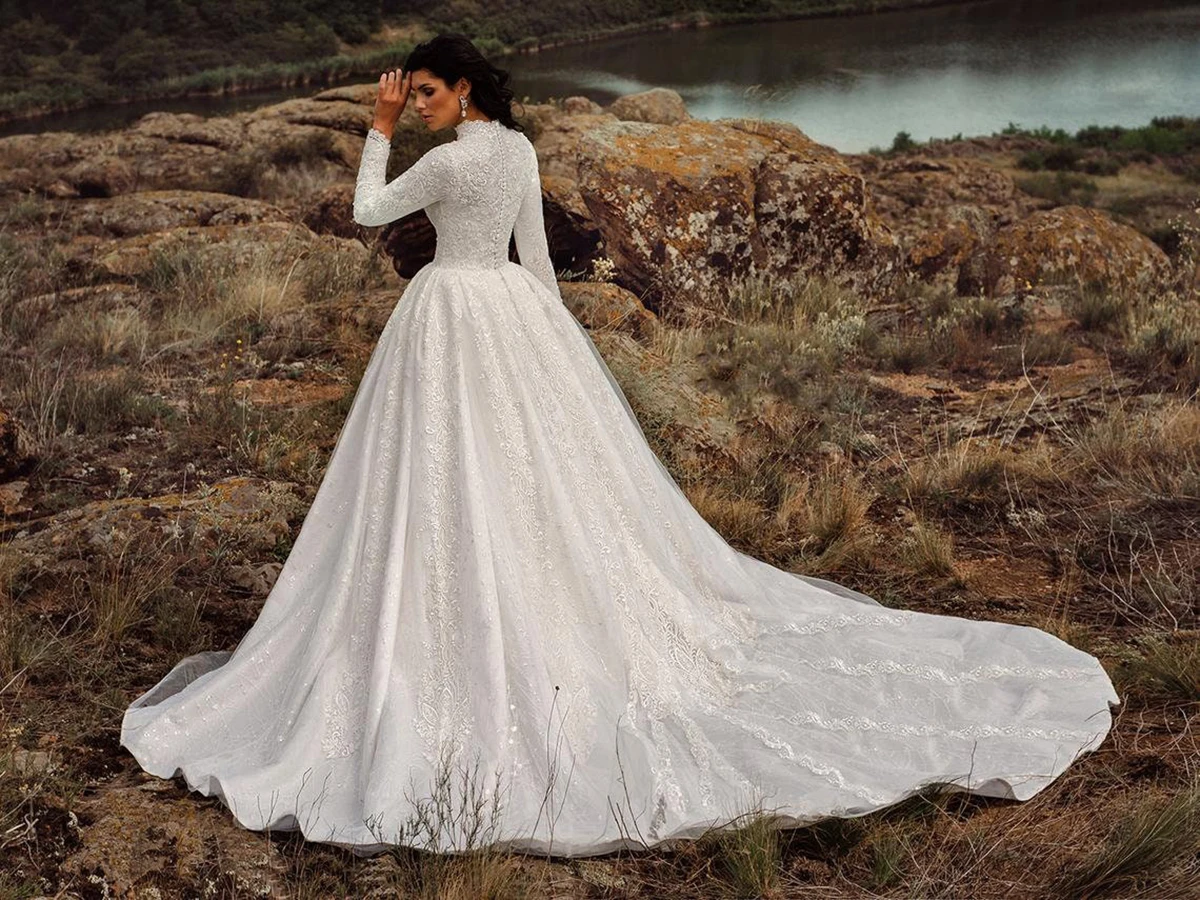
(384, 128)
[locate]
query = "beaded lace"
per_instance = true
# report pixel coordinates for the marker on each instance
(477, 190)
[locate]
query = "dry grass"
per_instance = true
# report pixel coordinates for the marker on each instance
(122, 592)
(24, 642)
(777, 334)
(111, 336)
(829, 508)
(679, 346)
(746, 854)
(928, 551)
(445, 848)
(1169, 665)
(1154, 449)
(1098, 308)
(1159, 832)
(1166, 337)
(58, 402)
(216, 295)
(740, 520)
(968, 468)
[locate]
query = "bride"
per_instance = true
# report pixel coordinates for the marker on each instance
(498, 576)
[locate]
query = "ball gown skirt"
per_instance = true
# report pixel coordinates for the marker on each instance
(498, 576)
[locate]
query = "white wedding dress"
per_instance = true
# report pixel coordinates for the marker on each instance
(498, 577)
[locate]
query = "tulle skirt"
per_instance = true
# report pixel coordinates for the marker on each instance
(500, 606)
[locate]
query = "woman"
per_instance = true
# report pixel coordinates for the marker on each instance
(498, 578)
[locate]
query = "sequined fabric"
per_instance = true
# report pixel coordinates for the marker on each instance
(497, 571)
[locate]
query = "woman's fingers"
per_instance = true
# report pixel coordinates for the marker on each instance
(393, 84)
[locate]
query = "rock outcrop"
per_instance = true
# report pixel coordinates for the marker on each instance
(161, 210)
(681, 206)
(183, 151)
(940, 209)
(1066, 244)
(256, 511)
(660, 106)
(684, 208)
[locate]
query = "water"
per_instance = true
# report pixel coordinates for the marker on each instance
(853, 82)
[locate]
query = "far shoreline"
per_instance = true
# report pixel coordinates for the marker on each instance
(334, 71)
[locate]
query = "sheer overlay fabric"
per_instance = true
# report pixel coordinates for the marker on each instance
(498, 575)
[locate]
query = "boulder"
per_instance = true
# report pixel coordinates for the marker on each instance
(660, 106)
(558, 142)
(1068, 243)
(102, 175)
(183, 151)
(945, 248)
(574, 106)
(940, 209)
(684, 208)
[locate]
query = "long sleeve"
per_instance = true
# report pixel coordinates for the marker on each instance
(529, 230)
(377, 202)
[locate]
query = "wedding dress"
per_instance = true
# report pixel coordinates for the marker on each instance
(499, 579)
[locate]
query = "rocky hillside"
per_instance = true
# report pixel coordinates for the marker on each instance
(909, 372)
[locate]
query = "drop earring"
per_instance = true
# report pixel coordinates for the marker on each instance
(462, 102)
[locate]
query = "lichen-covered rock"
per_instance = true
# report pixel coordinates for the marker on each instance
(148, 211)
(102, 175)
(661, 106)
(183, 151)
(683, 208)
(558, 141)
(940, 209)
(601, 305)
(141, 837)
(944, 248)
(903, 184)
(252, 513)
(1065, 244)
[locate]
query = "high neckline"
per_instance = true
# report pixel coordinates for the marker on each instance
(465, 126)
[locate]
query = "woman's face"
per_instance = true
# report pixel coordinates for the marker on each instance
(436, 102)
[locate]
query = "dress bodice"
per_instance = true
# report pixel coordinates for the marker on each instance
(477, 191)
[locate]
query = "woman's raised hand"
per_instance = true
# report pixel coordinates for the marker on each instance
(392, 97)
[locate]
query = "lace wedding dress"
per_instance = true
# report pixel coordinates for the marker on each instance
(498, 579)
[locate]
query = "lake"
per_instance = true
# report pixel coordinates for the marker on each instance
(853, 82)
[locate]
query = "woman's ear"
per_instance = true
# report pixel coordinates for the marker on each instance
(462, 86)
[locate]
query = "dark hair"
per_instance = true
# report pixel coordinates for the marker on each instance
(452, 56)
